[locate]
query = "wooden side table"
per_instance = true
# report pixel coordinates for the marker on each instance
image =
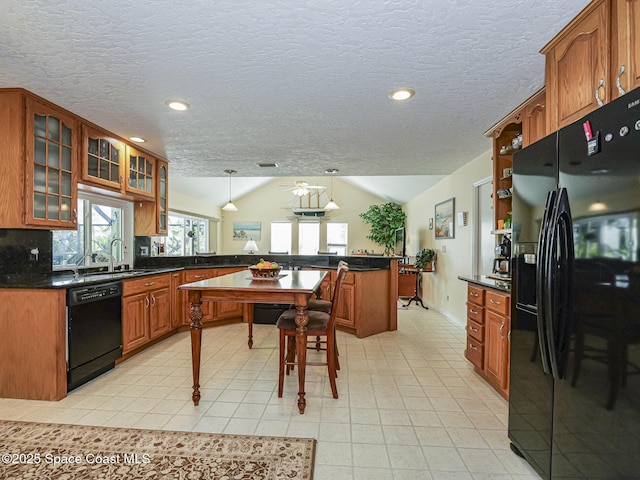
(416, 293)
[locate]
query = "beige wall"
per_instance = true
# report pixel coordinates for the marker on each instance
(269, 204)
(442, 289)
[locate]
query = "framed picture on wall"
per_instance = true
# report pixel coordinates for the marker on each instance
(246, 231)
(445, 211)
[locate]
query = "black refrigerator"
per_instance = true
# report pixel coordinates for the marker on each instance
(574, 405)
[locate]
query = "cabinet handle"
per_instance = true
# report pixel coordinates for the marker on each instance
(198, 276)
(146, 302)
(620, 89)
(473, 294)
(153, 303)
(120, 179)
(473, 312)
(75, 215)
(473, 329)
(473, 347)
(598, 99)
(495, 302)
(148, 284)
(502, 328)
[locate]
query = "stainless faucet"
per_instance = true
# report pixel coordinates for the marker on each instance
(111, 257)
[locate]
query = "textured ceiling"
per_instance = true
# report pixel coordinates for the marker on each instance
(303, 84)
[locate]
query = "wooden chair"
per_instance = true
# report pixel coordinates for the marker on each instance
(320, 305)
(320, 324)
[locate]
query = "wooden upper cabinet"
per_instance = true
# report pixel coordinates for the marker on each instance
(152, 217)
(625, 46)
(140, 173)
(578, 67)
(162, 198)
(50, 172)
(103, 159)
(534, 121)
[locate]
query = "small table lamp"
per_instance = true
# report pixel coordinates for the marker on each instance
(251, 247)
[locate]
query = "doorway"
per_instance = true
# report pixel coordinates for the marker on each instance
(484, 240)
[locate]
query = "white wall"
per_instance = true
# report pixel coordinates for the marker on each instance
(442, 289)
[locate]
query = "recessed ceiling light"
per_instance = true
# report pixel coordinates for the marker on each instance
(177, 105)
(137, 139)
(400, 94)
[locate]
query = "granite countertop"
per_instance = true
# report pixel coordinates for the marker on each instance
(486, 281)
(68, 280)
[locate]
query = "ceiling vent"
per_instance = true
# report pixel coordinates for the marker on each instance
(267, 165)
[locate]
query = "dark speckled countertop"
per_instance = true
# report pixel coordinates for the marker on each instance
(485, 281)
(38, 281)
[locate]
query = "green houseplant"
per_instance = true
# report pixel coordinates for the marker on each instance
(384, 220)
(424, 257)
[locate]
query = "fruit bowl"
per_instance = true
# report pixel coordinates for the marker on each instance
(263, 273)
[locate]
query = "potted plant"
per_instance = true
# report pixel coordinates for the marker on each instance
(425, 259)
(384, 220)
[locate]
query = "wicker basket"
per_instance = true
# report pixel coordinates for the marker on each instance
(265, 272)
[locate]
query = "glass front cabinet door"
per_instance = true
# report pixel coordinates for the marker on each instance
(51, 159)
(102, 159)
(162, 200)
(141, 176)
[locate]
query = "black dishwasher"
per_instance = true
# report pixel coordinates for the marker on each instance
(94, 331)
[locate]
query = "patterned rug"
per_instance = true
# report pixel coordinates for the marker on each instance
(53, 451)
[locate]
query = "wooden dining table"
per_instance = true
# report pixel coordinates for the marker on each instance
(293, 286)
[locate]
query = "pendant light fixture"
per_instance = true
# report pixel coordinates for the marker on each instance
(230, 207)
(331, 205)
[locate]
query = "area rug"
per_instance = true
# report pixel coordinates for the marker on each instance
(53, 451)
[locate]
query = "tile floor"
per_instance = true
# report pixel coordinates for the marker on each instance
(410, 405)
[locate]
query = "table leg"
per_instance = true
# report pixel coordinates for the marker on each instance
(302, 320)
(195, 315)
(250, 342)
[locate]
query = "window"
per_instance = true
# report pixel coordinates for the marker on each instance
(308, 238)
(187, 235)
(337, 235)
(280, 237)
(100, 221)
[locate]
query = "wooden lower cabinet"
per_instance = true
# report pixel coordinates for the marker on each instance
(488, 327)
(146, 310)
(33, 344)
(365, 307)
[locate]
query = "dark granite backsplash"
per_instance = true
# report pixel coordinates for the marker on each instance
(15, 251)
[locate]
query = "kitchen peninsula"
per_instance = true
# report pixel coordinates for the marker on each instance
(32, 310)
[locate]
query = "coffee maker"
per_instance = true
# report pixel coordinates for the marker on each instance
(502, 261)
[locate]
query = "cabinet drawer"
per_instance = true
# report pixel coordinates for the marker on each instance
(475, 295)
(145, 284)
(197, 275)
(475, 330)
(474, 352)
(475, 313)
(497, 302)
